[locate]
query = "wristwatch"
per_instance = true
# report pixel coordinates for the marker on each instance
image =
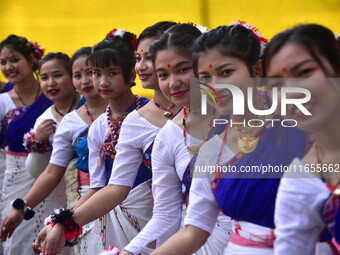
(20, 204)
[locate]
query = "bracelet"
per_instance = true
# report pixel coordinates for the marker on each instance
(71, 228)
(20, 204)
(112, 250)
(32, 145)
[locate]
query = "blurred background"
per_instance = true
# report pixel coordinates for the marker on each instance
(66, 25)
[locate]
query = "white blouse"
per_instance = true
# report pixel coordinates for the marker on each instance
(135, 137)
(297, 212)
(170, 159)
(203, 209)
(68, 130)
(6, 104)
(36, 162)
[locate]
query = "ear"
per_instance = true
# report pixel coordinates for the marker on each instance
(257, 69)
(31, 60)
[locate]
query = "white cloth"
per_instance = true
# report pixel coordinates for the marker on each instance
(68, 130)
(297, 212)
(135, 137)
(170, 159)
(36, 163)
(127, 219)
(6, 104)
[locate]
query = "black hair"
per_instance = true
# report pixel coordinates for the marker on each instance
(22, 45)
(156, 30)
(235, 41)
(115, 50)
(82, 52)
(317, 39)
(180, 37)
(61, 57)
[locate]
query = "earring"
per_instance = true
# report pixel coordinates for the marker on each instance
(132, 83)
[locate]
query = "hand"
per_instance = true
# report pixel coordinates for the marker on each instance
(36, 246)
(125, 252)
(54, 241)
(44, 130)
(10, 223)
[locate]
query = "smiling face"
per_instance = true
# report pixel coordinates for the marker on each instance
(294, 61)
(144, 67)
(56, 83)
(82, 78)
(14, 65)
(174, 72)
(212, 64)
(109, 81)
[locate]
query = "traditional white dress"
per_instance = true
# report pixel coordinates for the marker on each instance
(170, 159)
(136, 136)
(63, 151)
(298, 219)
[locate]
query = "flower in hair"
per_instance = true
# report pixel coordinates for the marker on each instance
(120, 33)
(263, 41)
(202, 28)
(38, 52)
(112, 250)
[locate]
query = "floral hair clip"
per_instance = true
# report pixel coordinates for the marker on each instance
(38, 52)
(263, 41)
(120, 33)
(202, 28)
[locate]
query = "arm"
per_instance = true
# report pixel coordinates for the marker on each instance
(167, 193)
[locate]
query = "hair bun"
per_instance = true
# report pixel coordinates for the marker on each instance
(124, 35)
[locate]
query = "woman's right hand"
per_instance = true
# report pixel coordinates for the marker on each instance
(36, 246)
(44, 130)
(10, 223)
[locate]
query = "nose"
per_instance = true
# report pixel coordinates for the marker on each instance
(141, 66)
(51, 82)
(103, 81)
(174, 82)
(9, 65)
(85, 79)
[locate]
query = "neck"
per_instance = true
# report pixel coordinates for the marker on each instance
(28, 86)
(97, 102)
(120, 104)
(161, 99)
(64, 105)
(328, 137)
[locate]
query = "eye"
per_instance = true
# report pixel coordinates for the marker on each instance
(162, 76)
(77, 76)
(138, 59)
(185, 69)
(305, 72)
(205, 78)
(113, 73)
(43, 78)
(15, 60)
(3, 62)
(226, 72)
(95, 73)
(89, 73)
(58, 75)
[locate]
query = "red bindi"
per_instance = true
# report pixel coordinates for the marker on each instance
(210, 66)
(49, 72)
(169, 65)
(6, 57)
(284, 69)
(81, 69)
(141, 50)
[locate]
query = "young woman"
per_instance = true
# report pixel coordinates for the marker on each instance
(133, 152)
(55, 71)
(234, 52)
(172, 158)
(307, 201)
(19, 109)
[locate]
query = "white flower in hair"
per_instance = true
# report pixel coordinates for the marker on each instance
(116, 32)
(202, 28)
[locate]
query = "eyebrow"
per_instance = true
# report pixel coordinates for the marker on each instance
(13, 56)
(218, 68)
(53, 72)
(294, 68)
(175, 66)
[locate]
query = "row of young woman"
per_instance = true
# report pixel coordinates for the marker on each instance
(123, 199)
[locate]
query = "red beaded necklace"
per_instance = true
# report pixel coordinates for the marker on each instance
(20, 98)
(108, 114)
(167, 113)
(88, 112)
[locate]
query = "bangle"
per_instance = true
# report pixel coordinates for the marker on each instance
(71, 228)
(112, 250)
(32, 145)
(20, 204)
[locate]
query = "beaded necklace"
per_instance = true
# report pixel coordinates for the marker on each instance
(167, 112)
(88, 112)
(20, 98)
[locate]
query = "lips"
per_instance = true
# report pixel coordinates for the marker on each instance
(53, 92)
(11, 75)
(105, 91)
(179, 93)
(88, 89)
(144, 76)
